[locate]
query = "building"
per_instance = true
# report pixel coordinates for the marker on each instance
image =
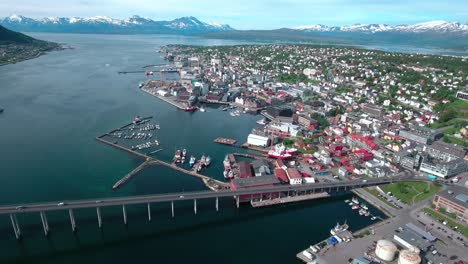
(278, 111)
(445, 151)
(294, 176)
(443, 169)
(261, 167)
(253, 182)
(257, 140)
(462, 95)
(373, 110)
(306, 121)
(281, 175)
(245, 170)
(420, 134)
(454, 200)
(411, 237)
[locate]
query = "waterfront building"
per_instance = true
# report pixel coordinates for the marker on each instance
(454, 200)
(253, 182)
(257, 140)
(413, 239)
(294, 176)
(245, 170)
(443, 169)
(281, 175)
(261, 167)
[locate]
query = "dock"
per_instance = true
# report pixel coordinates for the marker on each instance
(288, 199)
(211, 183)
(129, 175)
(247, 155)
(256, 148)
(225, 141)
(164, 99)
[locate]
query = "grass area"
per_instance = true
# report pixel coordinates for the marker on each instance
(411, 192)
(376, 194)
(454, 140)
(450, 222)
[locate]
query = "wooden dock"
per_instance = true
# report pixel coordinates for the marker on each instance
(129, 175)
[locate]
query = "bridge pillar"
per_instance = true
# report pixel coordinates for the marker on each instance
(98, 212)
(237, 201)
(149, 212)
(195, 206)
(72, 219)
(16, 228)
(261, 197)
(217, 203)
(172, 208)
(124, 214)
(45, 225)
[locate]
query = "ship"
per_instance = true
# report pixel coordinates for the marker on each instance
(184, 152)
(207, 161)
(226, 163)
(355, 207)
(339, 228)
(355, 200)
(136, 120)
(291, 150)
(202, 160)
(364, 206)
(279, 152)
(192, 161)
(177, 156)
(202, 109)
(226, 174)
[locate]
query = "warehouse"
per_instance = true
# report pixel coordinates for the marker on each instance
(256, 140)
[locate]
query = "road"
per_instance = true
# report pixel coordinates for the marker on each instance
(317, 187)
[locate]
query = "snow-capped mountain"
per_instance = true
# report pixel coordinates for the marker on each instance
(103, 24)
(426, 27)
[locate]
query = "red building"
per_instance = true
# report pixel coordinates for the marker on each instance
(245, 170)
(280, 174)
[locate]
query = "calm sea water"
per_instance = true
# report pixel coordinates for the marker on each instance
(56, 105)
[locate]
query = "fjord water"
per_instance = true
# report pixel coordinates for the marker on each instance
(55, 106)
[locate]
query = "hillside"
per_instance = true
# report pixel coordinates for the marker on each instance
(16, 47)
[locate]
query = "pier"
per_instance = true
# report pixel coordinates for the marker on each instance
(212, 184)
(288, 199)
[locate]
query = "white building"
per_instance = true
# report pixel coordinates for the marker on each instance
(256, 140)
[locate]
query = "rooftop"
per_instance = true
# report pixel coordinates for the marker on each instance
(458, 194)
(255, 181)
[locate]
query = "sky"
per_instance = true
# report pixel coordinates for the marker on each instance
(251, 14)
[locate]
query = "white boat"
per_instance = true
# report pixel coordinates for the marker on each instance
(350, 203)
(202, 109)
(355, 200)
(364, 206)
(207, 161)
(184, 152)
(373, 218)
(262, 122)
(346, 201)
(339, 228)
(226, 174)
(226, 163)
(192, 161)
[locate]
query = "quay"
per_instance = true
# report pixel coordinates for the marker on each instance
(259, 149)
(246, 155)
(164, 99)
(225, 141)
(205, 101)
(288, 199)
(129, 175)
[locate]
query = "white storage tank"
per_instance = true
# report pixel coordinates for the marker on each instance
(385, 250)
(409, 257)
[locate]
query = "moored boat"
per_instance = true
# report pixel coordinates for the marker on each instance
(192, 161)
(355, 200)
(279, 152)
(355, 207)
(339, 228)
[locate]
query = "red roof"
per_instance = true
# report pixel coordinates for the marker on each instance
(293, 173)
(244, 169)
(279, 163)
(281, 175)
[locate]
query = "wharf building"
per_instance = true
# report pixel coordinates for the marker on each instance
(454, 200)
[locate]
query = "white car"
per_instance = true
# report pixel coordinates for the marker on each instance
(61, 204)
(181, 196)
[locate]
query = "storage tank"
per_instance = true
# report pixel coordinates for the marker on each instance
(385, 250)
(409, 257)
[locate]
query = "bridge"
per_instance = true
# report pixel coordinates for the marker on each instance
(171, 198)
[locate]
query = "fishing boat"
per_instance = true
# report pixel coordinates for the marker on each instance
(355, 200)
(226, 174)
(192, 161)
(231, 175)
(226, 163)
(339, 228)
(207, 161)
(177, 156)
(202, 160)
